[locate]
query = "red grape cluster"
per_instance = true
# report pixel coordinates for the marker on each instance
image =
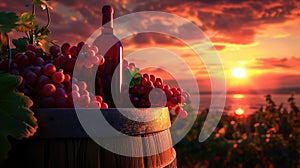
(66, 56)
(152, 92)
(47, 77)
(83, 98)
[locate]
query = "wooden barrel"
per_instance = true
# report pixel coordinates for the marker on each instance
(62, 142)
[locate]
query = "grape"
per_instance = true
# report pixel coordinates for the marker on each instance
(73, 51)
(55, 89)
(54, 50)
(178, 109)
(13, 65)
(47, 101)
(133, 90)
(152, 78)
(90, 53)
(157, 84)
(59, 93)
(67, 78)
(61, 102)
(84, 100)
(42, 80)
(75, 87)
(31, 55)
(135, 101)
(82, 85)
(167, 87)
(58, 85)
(38, 52)
(37, 70)
(58, 77)
(175, 92)
(174, 100)
(94, 48)
(99, 99)
(146, 76)
(101, 59)
(88, 65)
(159, 80)
(84, 92)
(49, 69)
(75, 95)
(94, 104)
(65, 48)
(69, 66)
(48, 90)
(125, 64)
(79, 46)
(186, 95)
(149, 84)
(21, 60)
(39, 61)
(94, 60)
(61, 60)
(104, 105)
(141, 89)
(143, 81)
(183, 114)
(181, 99)
(157, 97)
(30, 77)
(30, 47)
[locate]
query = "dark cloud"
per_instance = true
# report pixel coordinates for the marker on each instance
(283, 63)
(232, 21)
(151, 39)
(219, 47)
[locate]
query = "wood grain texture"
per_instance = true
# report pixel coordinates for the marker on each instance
(61, 142)
(64, 123)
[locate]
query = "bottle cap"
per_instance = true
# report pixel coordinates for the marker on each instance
(107, 9)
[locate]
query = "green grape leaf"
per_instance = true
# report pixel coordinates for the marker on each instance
(127, 76)
(42, 33)
(26, 17)
(20, 44)
(16, 118)
(24, 27)
(136, 79)
(135, 71)
(4, 45)
(8, 21)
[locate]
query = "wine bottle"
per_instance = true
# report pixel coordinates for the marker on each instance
(112, 50)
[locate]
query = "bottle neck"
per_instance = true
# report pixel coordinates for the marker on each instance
(107, 16)
(107, 30)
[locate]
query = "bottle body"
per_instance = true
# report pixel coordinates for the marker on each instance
(109, 75)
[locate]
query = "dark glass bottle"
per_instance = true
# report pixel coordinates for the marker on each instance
(112, 50)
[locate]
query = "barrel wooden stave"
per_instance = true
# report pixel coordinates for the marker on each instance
(62, 143)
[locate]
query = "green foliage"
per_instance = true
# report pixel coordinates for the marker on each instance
(20, 44)
(4, 45)
(8, 21)
(41, 33)
(35, 34)
(268, 138)
(133, 77)
(16, 119)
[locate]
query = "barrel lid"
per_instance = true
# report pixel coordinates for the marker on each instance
(64, 123)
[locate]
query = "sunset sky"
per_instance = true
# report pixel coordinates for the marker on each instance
(260, 36)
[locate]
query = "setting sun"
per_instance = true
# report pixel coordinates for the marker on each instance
(239, 111)
(238, 72)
